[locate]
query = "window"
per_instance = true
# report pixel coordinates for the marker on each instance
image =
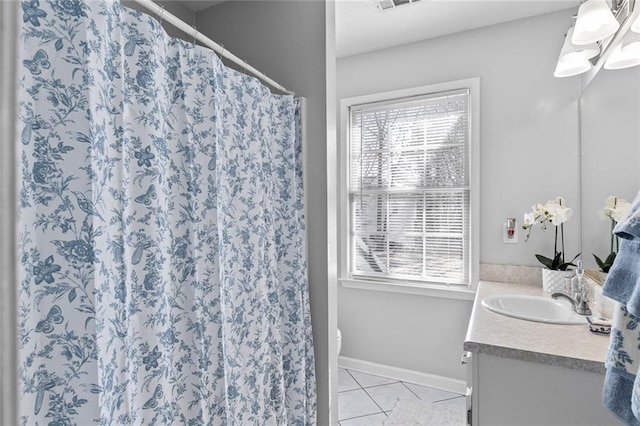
(410, 190)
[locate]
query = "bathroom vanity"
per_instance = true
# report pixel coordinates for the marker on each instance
(531, 373)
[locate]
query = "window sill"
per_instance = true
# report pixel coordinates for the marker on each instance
(430, 290)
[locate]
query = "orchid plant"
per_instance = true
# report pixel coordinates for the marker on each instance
(554, 213)
(615, 209)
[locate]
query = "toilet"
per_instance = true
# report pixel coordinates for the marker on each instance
(339, 341)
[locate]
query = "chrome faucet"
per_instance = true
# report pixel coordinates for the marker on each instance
(580, 304)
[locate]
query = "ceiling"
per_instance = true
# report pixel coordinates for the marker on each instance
(362, 27)
(198, 5)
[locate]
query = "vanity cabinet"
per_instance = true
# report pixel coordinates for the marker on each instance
(529, 373)
(512, 392)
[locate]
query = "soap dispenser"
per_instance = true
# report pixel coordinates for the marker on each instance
(580, 288)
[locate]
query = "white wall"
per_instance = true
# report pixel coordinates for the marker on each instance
(610, 150)
(528, 154)
(287, 41)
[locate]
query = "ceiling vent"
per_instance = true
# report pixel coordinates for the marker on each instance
(391, 4)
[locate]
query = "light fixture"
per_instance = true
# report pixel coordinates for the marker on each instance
(572, 51)
(620, 59)
(635, 27)
(574, 59)
(575, 66)
(595, 22)
(597, 41)
(631, 43)
(390, 4)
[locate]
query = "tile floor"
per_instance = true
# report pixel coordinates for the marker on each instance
(366, 400)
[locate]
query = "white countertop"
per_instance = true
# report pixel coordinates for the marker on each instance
(571, 346)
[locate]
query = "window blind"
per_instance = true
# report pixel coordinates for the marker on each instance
(409, 189)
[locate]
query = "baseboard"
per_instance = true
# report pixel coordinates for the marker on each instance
(411, 376)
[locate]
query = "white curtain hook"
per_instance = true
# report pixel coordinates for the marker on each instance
(222, 51)
(161, 14)
(245, 65)
(195, 34)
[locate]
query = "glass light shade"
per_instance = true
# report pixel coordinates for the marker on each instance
(636, 25)
(631, 43)
(619, 59)
(595, 22)
(572, 51)
(575, 66)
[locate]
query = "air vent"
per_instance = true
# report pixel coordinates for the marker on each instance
(390, 4)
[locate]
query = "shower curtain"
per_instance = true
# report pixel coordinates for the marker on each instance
(161, 234)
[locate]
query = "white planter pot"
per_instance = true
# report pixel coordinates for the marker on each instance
(553, 281)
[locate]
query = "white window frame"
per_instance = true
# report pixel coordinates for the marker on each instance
(466, 292)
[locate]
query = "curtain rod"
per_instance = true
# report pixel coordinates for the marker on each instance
(183, 26)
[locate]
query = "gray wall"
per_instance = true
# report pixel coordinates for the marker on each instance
(286, 40)
(610, 142)
(528, 154)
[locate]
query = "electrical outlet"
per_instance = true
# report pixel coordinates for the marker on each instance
(510, 233)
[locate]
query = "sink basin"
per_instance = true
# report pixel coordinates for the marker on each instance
(533, 308)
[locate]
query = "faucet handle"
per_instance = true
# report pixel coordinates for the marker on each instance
(583, 307)
(580, 304)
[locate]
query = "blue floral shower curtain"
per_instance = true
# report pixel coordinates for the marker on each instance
(161, 230)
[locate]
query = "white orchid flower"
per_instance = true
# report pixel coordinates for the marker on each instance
(529, 219)
(561, 216)
(609, 206)
(621, 211)
(615, 208)
(554, 212)
(558, 214)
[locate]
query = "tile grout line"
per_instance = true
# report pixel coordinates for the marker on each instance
(382, 377)
(359, 417)
(361, 387)
(365, 391)
(344, 391)
(375, 402)
(356, 380)
(433, 402)
(448, 399)
(385, 384)
(388, 384)
(364, 415)
(417, 396)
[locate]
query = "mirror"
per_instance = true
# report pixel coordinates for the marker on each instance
(610, 152)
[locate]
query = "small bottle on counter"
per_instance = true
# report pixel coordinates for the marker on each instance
(580, 288)
(567, 286)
